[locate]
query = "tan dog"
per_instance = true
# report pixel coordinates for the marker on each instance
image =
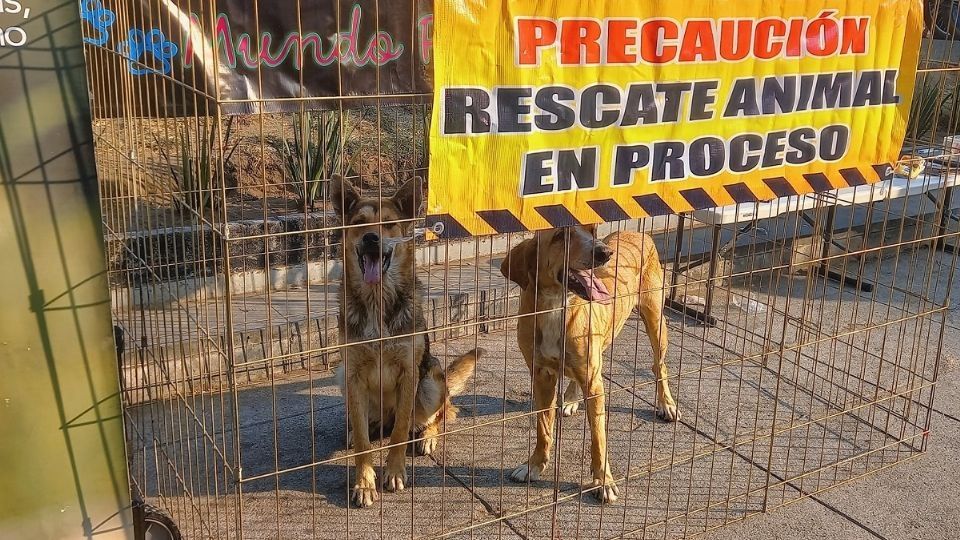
(395, 384)
(572, 306)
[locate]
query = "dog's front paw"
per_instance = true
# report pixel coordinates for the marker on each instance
(606, 491)
(425, 447)
(527, 472)
(364, 495)
(570, 409)
(395, 480)
(668, 410)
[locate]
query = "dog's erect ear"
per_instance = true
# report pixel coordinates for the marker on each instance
(592, 229)
(343, 195)
(559, 234)
(409, 197)
(520, 263)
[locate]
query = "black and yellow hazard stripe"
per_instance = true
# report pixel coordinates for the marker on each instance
(668, 200)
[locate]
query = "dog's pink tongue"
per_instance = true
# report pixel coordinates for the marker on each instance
(371, 269)
(596, 290)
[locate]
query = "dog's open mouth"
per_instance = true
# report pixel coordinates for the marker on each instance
(373, 265)
(586, 285)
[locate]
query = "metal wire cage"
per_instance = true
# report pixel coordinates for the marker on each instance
(805, 332)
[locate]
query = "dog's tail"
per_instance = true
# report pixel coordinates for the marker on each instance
(460, 370)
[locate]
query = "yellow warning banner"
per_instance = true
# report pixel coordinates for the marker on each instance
(555, 112)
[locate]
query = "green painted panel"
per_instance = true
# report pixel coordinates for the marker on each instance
(62, 462)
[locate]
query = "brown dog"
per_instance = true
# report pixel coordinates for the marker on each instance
(572, 306)
(391, 384)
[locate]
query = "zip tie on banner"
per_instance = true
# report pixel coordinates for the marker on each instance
(910, 167)
(418, 232)
(437, 229)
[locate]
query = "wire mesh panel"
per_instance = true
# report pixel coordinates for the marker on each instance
(803, 334)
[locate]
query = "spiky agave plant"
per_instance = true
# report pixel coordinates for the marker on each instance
(198, 166)
(314, 154)
(923, 112)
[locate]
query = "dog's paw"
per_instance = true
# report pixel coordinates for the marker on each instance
(395, 480)
(667, 410)
(525, 472)
(364, 496)
(606, 491)
(570, 409)
(426, 447)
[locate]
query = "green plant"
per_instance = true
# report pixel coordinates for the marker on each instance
(951, 121)
(423, 157)
(923, 112)
(312, 157)
(410, 132)
(199, 164)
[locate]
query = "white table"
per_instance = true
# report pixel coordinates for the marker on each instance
(937, 176)
(896, 187)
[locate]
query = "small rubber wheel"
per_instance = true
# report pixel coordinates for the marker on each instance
(158, 525)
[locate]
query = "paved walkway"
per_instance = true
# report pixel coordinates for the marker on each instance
(917, 500)
(688, 477)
